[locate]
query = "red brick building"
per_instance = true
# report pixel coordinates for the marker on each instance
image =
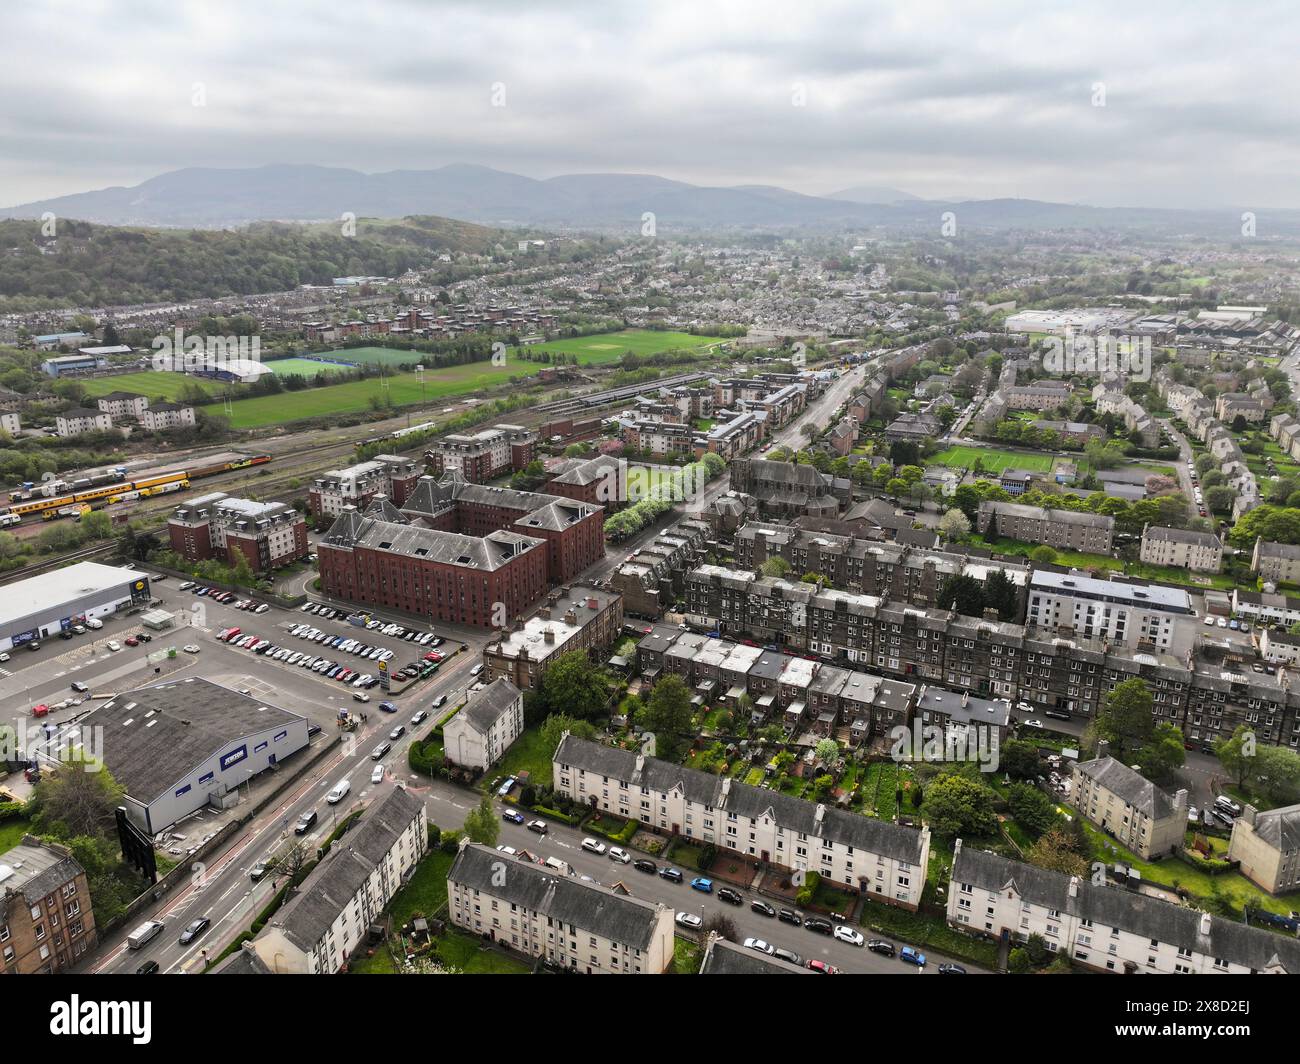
(456, 549)
(46, 921)
(267, 534)
(485, 455)
(385, 474)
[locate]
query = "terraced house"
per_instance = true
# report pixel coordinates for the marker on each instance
(1104, 928)
(883, 860)
(582, 927)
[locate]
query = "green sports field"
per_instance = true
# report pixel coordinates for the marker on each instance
(303, 367)
(156, 385)
(375, 356)
(993, 461)
(610, 347)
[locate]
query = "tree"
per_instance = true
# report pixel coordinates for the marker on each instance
(1125, 721)
(954, 525)
(774, 566)
(955, 805)
(1056, 851)
(667, 714)
(572, 684)
(1220, 500)
(554, 727)
(963, 593)
(1002, 595)
(1043, 555)
(481, 823)
(721, 925)
(1033, 810)
(79, 798)
(827, 751)
(1020, 759)
(1160, 758)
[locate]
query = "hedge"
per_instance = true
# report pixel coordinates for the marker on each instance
(555, 814)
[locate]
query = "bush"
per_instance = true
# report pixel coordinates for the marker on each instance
(708, 855)
(812, 880)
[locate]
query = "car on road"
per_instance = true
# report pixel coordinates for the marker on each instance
(822, 968)
(788, 956)
(190, 648)
(113, 645)
(641, 864)
(259, 870)
(689, 921)
(758, 945)
(620, 855)
(79, 687)
(1032, 723)
(419, 718)
(819, 925)
(951, 969)
(885, 949)
(148, 968)
(910, 955)
(397, 732)
(439, 702)
(703, 885)
(592, 846)
(377, 774)
(381, 750)
(847, 934)
(762, 908)
(670, 874)
(305, 822)
(388, 707)
(196, 928)
(789, 916)
(538, 826)
(731, 896)
(514, 816)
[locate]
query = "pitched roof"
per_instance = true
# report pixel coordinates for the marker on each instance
(703, 788)
(593, 908)
(1138, 914)
(1280, 828)
(1131, 786)
(485, 707)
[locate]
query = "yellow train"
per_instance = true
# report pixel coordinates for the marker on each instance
(46, 507)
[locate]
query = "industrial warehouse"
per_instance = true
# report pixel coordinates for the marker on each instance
(180, 746)
(42, 606)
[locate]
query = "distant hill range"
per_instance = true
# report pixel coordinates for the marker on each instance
(210, 198)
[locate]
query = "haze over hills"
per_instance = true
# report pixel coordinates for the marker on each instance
(214, 198)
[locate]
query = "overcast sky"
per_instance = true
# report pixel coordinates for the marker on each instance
(942, 100)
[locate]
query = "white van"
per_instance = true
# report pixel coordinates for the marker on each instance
(93, 623)
(339, 792)
(144, 933)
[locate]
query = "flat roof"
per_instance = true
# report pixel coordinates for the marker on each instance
(1137, 594)
(23, 598)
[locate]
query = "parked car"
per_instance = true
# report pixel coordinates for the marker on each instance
(620, 855)
(951, 969)
(759, 946)
(689, 921)
(514, 816)
(789, 916)
(910, 955)
(592, 846)
(847, 934)
(822, 968)
(642, 864)
(762, 908)
(670, 874)
(538, 826)
(730, 896)
(79, 687)
(819, 925)
(788, 956)
(703, 885)
(885, 949)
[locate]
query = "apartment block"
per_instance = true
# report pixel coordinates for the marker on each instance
(1064, 529)
(1130, 615)
(573, 618)
(47, 923)
(571, 924)
(884, 861)
(267, 535)
(490, 720)
(1201, 552)
(1267, 845)
(387, 474)
(1129, 807)
(484, 455)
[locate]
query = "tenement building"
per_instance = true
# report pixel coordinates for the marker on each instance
(884, 861)
(483, 455)
(572, 618)
(386, 474)
(1063, 529)
(46, 920)
(267, 535)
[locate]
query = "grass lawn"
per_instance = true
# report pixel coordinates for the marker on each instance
(12, 832)
(467, 955)
(373, 356)
(963, 457)
(1077, 559)
(528, 754)
(156, 385)
(687, 957)
(602, 348)
(426, 891)
(927, 931)
(1233, 885)
(303, 367)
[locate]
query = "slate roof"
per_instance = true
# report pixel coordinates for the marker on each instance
(336, 880)
(1138, 914)
(34, 870)
(1131, 786)
(726, 958)
(592, 908)
(1280, 828)
(728, 795)
(485, 707)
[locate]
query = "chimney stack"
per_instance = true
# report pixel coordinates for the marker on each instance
(1074, 886)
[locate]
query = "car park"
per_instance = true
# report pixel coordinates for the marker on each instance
(847, 934)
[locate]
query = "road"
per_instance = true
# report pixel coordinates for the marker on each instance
(1183, 466)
